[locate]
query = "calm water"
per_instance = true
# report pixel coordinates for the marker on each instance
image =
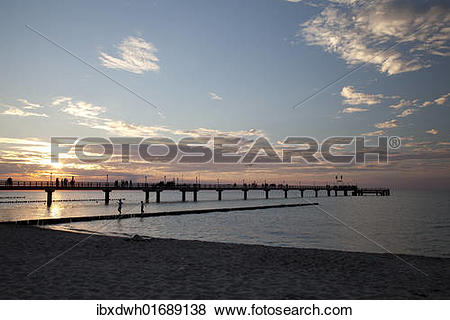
(412, 222)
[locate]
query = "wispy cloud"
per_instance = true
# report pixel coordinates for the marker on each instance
(439, 101)
(387, 124)
(360, 34)
(442, 100)
(89, 115)
(78, 108)
(134, 55)
(15, 111)
(353, 97)
(214, 96)
(433, 131)
(28, 105)
(404, 103)
(60, 100)
(354, 109)
(373, 133)
(406, 113)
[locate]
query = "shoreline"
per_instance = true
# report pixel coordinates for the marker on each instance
(127, 236)
(105, 267)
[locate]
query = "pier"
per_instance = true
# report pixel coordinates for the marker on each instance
(107, 187)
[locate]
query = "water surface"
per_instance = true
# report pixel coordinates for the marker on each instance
(411, 222)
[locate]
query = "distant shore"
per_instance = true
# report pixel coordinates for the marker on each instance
(116, 268)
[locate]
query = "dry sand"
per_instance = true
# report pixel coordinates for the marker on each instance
(116, 268)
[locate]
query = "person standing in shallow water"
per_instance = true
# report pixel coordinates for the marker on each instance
(119, 209)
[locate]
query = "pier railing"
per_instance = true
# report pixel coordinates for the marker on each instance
(107, 187)
(168, 185)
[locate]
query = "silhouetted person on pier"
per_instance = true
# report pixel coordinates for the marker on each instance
(142, 207)
(119, 209)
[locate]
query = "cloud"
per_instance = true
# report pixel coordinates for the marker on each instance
(28, 105)
(14, 111)
(135, 55)
(352, 110)
(404, 103)
(361, 34)
(387, 124)
(90, 115)
(352, 97)
(214, 96)
(433, 131)
(373, 133)
(315, 3)
(78, 108)
(442, 100)
(439, 101)
(406, 113)
(60, 100)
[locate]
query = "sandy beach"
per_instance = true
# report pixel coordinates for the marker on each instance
(116, 268)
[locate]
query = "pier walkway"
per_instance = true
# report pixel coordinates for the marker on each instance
(107, 187)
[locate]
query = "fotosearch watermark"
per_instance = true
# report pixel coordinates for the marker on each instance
(226, 149)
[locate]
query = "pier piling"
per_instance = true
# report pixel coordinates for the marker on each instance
(49, 196)
(195, 195)
(106, 191)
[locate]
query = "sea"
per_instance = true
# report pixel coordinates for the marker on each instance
(407, 222)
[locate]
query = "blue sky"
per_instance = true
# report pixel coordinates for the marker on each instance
(226, 66)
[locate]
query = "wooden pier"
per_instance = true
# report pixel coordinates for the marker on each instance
(107, 187)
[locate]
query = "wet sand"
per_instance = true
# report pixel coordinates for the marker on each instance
(116, 268)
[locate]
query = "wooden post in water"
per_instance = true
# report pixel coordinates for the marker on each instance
(195, 195)
(158, 196)
(106, 191)
(49, 196)
(183, 195)
(219, 195)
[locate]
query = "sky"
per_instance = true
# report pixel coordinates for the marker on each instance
(243, 68)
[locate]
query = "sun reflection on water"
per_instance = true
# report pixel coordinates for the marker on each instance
(55, 210)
